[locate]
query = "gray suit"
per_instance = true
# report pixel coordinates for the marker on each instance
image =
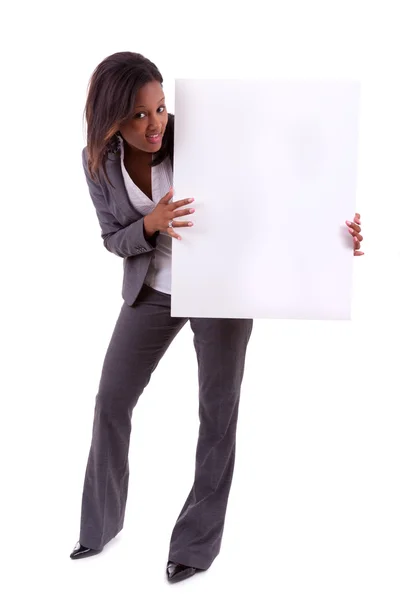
(142, 334)
(121, 226)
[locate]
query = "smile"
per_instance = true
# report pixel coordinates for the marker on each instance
(154, 138)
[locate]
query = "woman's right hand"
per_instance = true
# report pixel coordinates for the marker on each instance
(162, 217)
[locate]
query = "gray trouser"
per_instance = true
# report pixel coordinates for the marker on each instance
(141, 336)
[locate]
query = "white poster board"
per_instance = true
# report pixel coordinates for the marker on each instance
(272, 167)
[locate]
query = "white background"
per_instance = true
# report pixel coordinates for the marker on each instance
(314, 508)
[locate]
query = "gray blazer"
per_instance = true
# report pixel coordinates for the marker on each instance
(121, 225)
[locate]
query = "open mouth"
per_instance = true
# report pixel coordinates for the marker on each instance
(154, 138)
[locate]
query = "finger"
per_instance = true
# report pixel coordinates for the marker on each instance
(179, 203)
(354, 226)
(173, 233)
(183, 224)
(183, 212)
(357, 244)
(357, 218)
(358, 253)
(165, 199)
(355, 234)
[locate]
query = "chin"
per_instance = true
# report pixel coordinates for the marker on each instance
(153, 148)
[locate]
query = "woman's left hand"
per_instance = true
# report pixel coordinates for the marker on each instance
(355, 232)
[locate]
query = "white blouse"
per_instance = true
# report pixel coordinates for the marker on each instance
(159, 274)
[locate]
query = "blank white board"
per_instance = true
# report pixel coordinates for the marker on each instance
(272, 166)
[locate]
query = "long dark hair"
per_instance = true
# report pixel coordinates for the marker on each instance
(110, 100)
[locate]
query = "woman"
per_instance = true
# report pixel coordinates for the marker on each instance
(128, 167)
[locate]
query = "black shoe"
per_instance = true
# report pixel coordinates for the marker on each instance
(82, 552)
(177, 572)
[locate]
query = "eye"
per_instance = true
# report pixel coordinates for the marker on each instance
(140, 115)
(161, 109)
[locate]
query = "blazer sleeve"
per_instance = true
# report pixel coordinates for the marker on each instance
(122, 241)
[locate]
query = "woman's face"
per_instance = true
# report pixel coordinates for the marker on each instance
(145, 130)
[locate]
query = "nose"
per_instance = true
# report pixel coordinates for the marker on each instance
(154, 122)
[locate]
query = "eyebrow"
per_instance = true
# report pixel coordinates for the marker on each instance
(143, 106)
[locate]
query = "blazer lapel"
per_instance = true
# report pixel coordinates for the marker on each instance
(118, 189)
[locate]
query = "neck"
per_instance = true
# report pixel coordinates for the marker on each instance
(136, 155)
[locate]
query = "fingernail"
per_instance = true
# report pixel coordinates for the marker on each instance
(348, 222)
(190, 224)
(350, 230)
(179, 238)
(192, 210)
(191, 199)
